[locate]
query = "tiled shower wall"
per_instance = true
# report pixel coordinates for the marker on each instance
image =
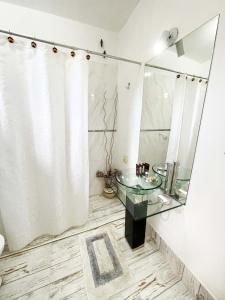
(157, 103)
(102, 80)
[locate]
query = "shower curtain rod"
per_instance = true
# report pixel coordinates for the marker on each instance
(69, 47)
(95, 53)
(174, 71)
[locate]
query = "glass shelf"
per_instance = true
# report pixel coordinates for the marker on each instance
(143, 199)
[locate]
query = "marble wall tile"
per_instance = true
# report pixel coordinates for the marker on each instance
(153, 146)
(195, 287)
(97, 145)
(152, 235)
(175, 263)
(203, 294)
(96, 185)
(97, 158)
(190, 282)
(102, 80)
(157, 100)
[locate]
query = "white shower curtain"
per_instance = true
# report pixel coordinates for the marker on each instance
(176, 122)
(44, 141)
(186, 116)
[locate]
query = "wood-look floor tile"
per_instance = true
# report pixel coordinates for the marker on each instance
(176, 292)
(54, 271)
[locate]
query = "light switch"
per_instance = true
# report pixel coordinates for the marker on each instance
(125, 159)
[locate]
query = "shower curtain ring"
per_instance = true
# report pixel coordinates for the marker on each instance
(33, 44)
(10, 39)
(54, 49)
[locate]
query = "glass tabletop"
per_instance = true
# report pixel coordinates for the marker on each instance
(139, 184)
(145, 206)
(161, 169)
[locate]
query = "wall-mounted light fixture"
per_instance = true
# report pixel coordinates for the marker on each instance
(167, 39)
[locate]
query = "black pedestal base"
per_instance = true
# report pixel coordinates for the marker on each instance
(134, 230)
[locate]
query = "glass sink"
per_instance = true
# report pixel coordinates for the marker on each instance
(139, 185)
(140, 194)
(182, 181)
(183, 174)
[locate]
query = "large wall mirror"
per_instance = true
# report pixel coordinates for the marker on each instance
(175, 85)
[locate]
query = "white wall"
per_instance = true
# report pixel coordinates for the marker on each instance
(50, 27)
(196, 231)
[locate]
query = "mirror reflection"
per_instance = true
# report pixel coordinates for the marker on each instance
(174, 90)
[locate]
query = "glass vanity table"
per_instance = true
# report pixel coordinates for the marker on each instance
(139, 195)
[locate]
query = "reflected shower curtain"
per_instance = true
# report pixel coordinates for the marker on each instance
(192, 112)
(176, 122)
(44, 141)
(186, 117)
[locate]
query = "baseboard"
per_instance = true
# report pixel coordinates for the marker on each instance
(178, 267)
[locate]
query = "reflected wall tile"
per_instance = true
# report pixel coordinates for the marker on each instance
(157, 100)
(153, 146)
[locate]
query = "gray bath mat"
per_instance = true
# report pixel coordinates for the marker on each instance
(104, 266)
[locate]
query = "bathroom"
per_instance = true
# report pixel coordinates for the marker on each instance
(89, 91)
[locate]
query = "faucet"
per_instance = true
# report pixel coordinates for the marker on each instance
(171, 176)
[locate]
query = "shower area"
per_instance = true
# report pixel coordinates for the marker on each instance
(58, 129)
(102, 117)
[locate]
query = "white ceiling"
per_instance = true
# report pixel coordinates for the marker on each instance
(107, 14)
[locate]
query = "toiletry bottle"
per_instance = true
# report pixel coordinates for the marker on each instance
(137, 169)
(147, 166)
(140, 168)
